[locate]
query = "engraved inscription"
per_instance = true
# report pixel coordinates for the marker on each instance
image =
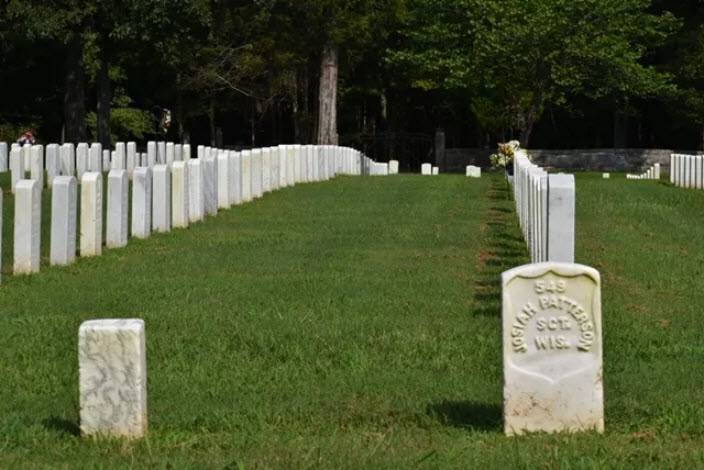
(554, 322)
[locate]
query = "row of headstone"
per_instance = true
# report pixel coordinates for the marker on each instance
(546, 210)
(473, 171)
(687, 171)
(163, 196)
(652, 173)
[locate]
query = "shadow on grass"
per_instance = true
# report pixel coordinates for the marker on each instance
(63, 426)
(467, 415)
(503, 249)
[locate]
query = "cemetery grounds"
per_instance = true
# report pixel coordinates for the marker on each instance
(355, 323)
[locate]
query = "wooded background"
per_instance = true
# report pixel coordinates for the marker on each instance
(378, 74)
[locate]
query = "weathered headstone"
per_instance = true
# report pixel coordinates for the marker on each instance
(142, 202)
(91, 214)
(161, 199)
(552, 349)
(196, 203)
(112, 374)
(28, 219)
(179, 194)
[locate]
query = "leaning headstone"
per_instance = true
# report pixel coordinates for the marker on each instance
(179, 194)
(64, 197)
(246, 176)
(552, 349)
(4, 155)
(161, 199)
(196, 203)
(36, 164)
(426, 169)
(52, 164)
(112, 370)
(91, 243)
(142, 202)
(224, 180)
(561, 214)
(28, 219)
(118, 207)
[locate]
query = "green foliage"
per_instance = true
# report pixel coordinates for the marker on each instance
(125, 124)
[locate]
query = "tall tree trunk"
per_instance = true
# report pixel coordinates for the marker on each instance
(327, 116)
(104, 97)
(74, 93)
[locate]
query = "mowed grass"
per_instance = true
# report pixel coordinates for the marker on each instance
(356, 324)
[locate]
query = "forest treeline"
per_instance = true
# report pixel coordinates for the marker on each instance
(552, 73)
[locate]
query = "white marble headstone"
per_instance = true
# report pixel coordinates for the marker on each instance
(142, 202)
(91, 243)
(52, 164)
(246, 156)
(118, 209)
(64, 197)
(161, 199)
(196, 202)
(4, 155)
(36, 164)
(552, 349)
(28, 220)
(112, 370)
(426, 169)
(224, 187)
(67, 165)
(179, 194)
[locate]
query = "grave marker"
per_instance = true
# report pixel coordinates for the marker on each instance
(142, 202)
(179, 194)
(28, 219)
(161, 199)
(118, 207)
(91, 214)
(552, 349)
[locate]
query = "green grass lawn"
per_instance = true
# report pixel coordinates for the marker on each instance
(356, 324)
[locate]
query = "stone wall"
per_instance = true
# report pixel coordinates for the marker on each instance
(575, 159)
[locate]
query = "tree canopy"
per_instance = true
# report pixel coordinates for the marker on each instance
(550, 72)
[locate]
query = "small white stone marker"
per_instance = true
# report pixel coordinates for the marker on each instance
(161, 199)
(186, 152)
(224, 180)
(91, 243)
(436, 170)
(179, 194)
(67, 160)
(196, 204)
(210, 182)
(552, 349)
(290, 165)
(606, 176)
(112, 370)
(118, 207)
(119, 161)
(161, 152)
(64, 212)
(246, 176)
(178, 152)
(28, 220)
(310, 161)
(142, 202)
(36, 164)
(393, 167)
(81, 160)
(426, 169)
